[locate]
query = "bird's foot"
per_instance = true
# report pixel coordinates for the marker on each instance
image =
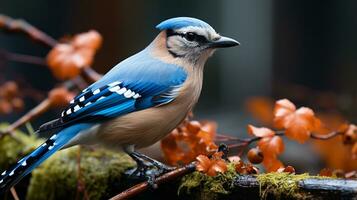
(152, 163)
(148, 168)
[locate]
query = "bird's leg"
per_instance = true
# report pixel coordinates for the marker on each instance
(141, 167)
(159, 165)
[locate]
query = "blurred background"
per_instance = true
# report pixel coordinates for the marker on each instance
(298, 49)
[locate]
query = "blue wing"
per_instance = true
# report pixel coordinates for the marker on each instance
(137, 83)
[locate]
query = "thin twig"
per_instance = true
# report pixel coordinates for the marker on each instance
(141, 187)
(44, 106)
(14, 193)
(243, 143)
(325, 137)
(35, 112)
(18, 25)
(24, 58)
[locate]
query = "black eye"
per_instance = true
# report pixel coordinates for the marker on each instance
(190, 36)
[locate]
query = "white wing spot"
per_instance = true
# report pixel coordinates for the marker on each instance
(62, 114)
(44, 144)
(68, 112)
(24, 163)
(96, 91)
(129, 94)
(3, 174)
(82, 99)
(72, 101)
(76, 108)
(121, 91)
(1, 181)
(114, 83)
(53, 137)
(51, 147)
(87, 104)
(114, 89)
(12, 173)
(136, 96)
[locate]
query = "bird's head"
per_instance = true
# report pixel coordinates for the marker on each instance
(192, 39)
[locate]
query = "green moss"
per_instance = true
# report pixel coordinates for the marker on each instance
(207, 187)
(13, 148)
(282, 185)
(57, 178)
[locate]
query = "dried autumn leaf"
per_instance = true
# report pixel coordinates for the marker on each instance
(260, 132)
(272, 164)
(204, 163)
(298, 123)
(271, 146)
(189, 140)
(211, 166)
(66, 60)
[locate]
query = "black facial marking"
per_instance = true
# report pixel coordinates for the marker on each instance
(190, 36)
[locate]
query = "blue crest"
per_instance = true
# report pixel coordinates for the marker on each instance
(180, 22)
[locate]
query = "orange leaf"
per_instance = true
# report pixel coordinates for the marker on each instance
(260, 132)
(282, 108)
(271, 146)
(211, 166)
(189, 140)
(298, 123)
(272, 164)
(67, 59)
(204, 163)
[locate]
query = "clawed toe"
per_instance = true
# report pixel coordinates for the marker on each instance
(148, 168)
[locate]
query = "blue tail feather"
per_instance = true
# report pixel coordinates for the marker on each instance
(10, 177)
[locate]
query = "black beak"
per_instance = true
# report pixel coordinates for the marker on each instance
(223, 42)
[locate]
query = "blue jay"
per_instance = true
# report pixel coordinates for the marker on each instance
(137, 102)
